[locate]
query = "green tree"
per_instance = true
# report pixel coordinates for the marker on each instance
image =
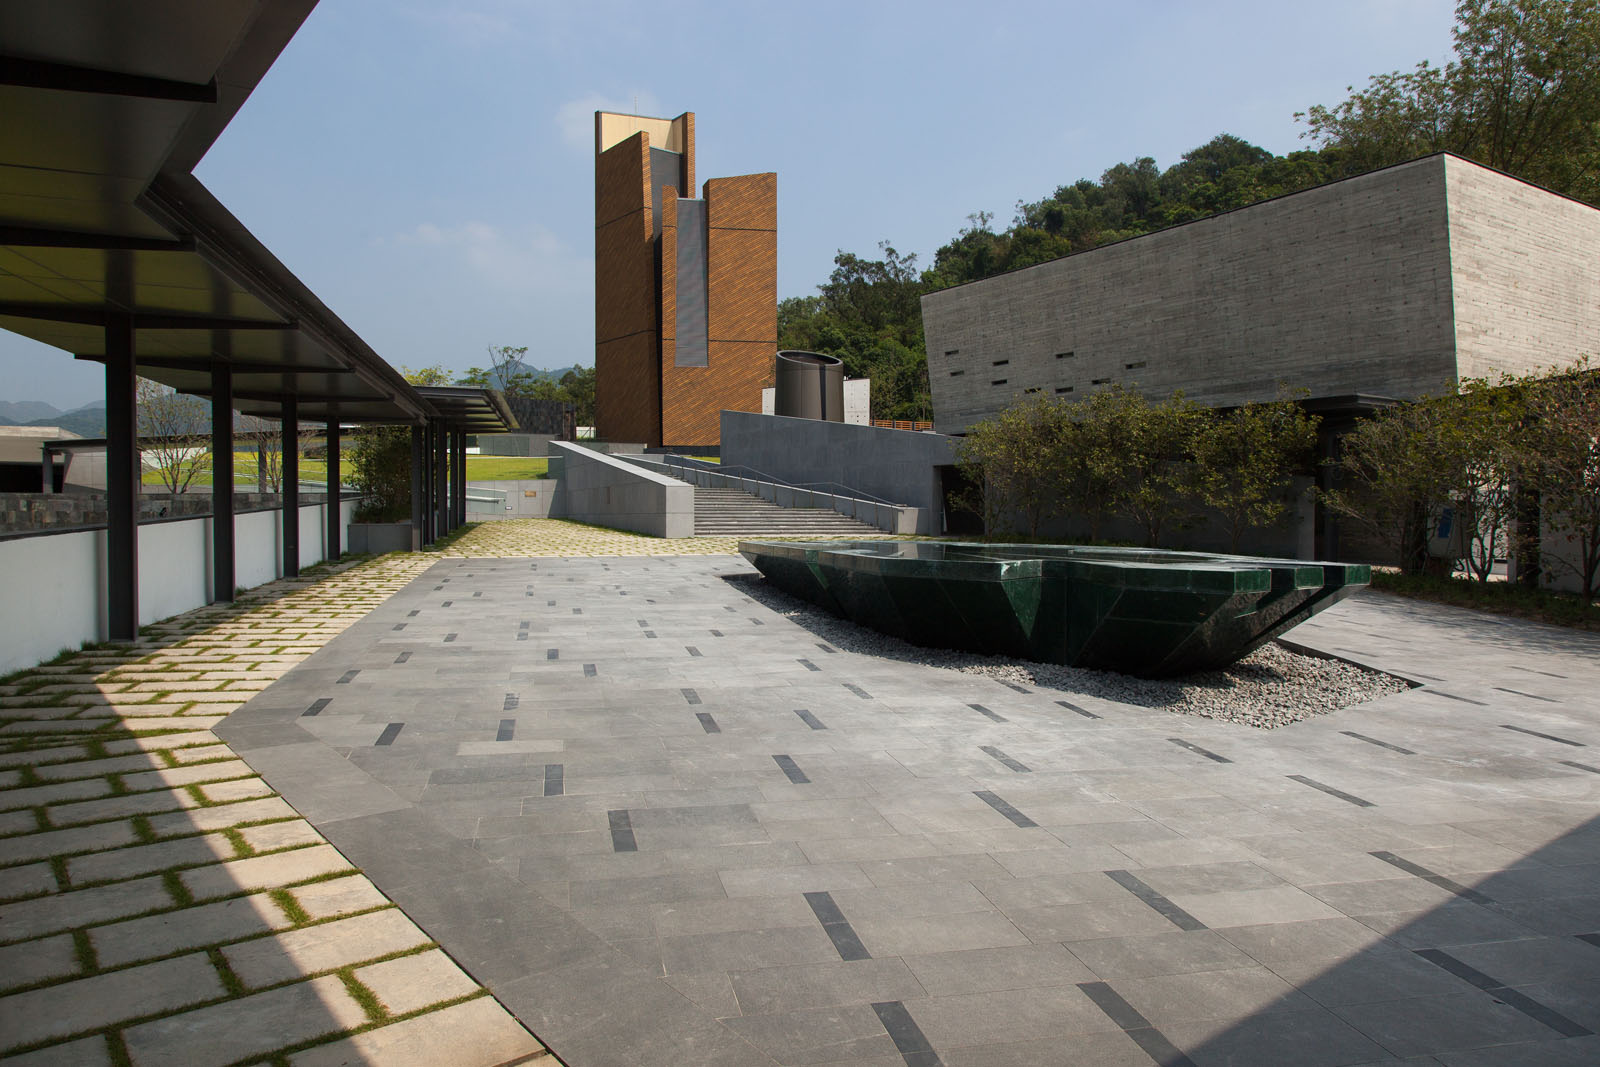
(380, 470)
(1015, 459)
(1564, 440)
(1522, 94)
(174, 434)
(578, 385)
(1155, 442)
(1246, 458)
(434, 375)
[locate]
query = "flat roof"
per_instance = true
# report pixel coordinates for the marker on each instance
(109, 105)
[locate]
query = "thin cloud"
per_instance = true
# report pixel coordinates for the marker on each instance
(531, 259)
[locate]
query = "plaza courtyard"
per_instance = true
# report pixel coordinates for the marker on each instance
(555, 792)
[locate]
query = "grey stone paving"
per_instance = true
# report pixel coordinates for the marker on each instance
(663, 825)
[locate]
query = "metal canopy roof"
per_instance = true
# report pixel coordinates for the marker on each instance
(473, 410)
(108, 106)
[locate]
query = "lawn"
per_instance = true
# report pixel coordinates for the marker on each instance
(314, 471)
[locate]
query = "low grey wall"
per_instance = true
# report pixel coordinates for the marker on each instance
(380, 537)
(897, 465)
(608, 492)
(527, 498)
(514, 444)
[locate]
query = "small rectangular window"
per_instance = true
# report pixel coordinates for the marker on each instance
(1001, 362)
(957, 373)
(1063, 388)
(1064, 355)
(1100, 381)
(1134, 366)
(998, 381)
(951, 351)
(1035, 389)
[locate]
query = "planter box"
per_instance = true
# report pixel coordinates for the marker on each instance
(380, 537)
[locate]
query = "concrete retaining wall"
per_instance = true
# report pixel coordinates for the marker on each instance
(899, 466)
(608, 492)
(55, 594)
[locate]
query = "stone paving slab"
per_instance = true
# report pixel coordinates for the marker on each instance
(669, 863)
(159, 903)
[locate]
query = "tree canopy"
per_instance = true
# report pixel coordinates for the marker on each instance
(1522, 95)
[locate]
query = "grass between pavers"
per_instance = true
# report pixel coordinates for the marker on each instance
(308, 613)
(1496, 598)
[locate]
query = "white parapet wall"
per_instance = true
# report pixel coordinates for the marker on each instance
(608, 492)
(55, 584)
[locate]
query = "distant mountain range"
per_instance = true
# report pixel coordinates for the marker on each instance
(86, 421)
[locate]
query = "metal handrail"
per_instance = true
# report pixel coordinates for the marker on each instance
(832, 488)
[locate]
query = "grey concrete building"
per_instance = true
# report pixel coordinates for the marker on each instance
(1394, 283)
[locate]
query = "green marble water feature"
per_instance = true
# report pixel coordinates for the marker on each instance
(1137, 611)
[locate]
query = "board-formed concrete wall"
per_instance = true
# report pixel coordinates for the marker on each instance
(899, 466)
(1526, 270)
(1352, 287)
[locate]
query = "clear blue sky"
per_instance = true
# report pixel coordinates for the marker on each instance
(427, 166)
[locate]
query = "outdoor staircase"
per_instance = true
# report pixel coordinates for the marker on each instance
(736, 513)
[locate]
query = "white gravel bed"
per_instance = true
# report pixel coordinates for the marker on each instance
(1272, 686)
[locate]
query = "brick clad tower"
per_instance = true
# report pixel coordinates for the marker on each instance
(686, 290)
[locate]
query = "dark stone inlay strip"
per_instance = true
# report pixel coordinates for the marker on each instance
(650, 633)
(1136, 1026)
(413, 613)
(390, 732)
(317, 706)
(511, 701)
(478, 593)
(577, 611)
(810, 719)
(1447, 884)
(826, 647)
(1016, 817)
(555, 779)
(447, 603)
(995, 753)
(621, 831)
(1547, 737)
(692, 650)
(858, 691)
(1170, 911)
(707, 723)
(448, 638)
(398, 626)
(1452, 696)
(907, 1036)
(589, 670)
(1015, 686)
(1085, 712)
(524, 624)
(552, 653)
(808, 665)
(1579, 766)
(981, 710)
(549, 603)
(690, 695)
(716, 633)
(792, 769)
(1330, 790)
(522, 635)
(1530, 670)
(508, 729)
(1206, 752)
(837, 927)
(1380, 744)
(402, 657)
(1530, 696)
(643, 625)
(1505, 995)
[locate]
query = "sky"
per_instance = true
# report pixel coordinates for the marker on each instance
(426, 166)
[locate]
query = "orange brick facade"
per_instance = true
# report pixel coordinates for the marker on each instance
(642, 394)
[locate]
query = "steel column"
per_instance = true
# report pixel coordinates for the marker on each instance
(122, 481)
(461, 478)
(419, 479)
(335, 508)
(222, 556)
(441, 484)
(290, 433)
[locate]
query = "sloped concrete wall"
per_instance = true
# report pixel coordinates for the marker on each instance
(609, 492)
